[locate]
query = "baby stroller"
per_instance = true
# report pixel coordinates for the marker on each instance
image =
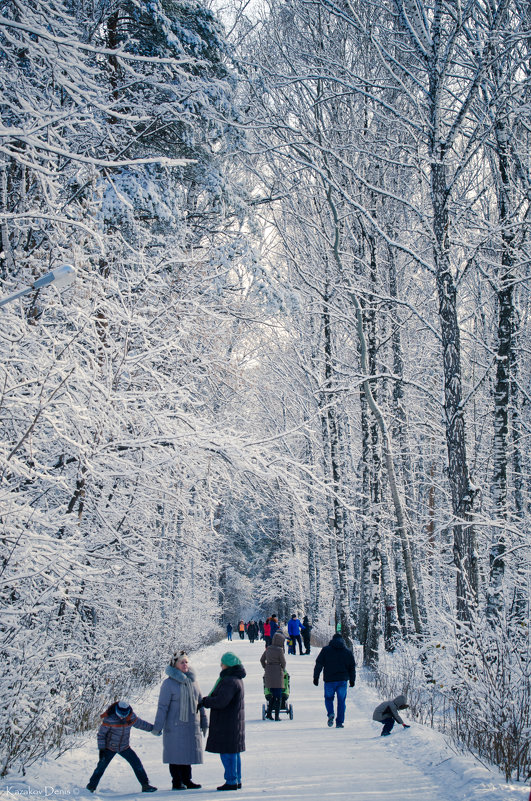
(284, 706)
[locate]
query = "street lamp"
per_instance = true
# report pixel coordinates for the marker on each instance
(62, 276)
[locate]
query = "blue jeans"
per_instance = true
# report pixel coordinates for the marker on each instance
(339, 688)
(233, 768)
(129, 756)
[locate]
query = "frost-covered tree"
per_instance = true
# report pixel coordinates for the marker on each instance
(114, 440)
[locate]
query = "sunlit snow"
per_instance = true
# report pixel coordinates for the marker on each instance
(292, 759)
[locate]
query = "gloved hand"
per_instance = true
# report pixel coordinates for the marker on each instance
(316, 682)
(102, 752)
(156, 733)
(200, 705)
(351, 684)
(406, 726)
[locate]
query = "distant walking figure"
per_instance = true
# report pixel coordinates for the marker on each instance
(229, 631)
(274, 663)
(294, 631)
(338, 666)
(306, 633)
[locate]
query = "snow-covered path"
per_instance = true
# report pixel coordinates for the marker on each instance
(292, 759)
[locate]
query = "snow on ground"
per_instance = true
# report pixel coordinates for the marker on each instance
(292, 759)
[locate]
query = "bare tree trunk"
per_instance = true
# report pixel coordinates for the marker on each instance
(363, 611)
(314, 577)
(402, 528)
(399, 511)
(462, 491)
(391, 627)
(520, 604)
(495, 599)
(6, 244)
(337, 519)
(400, 432)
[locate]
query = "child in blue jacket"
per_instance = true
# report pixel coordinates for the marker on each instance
(113, 738)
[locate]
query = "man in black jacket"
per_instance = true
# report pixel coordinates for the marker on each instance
(338, 666)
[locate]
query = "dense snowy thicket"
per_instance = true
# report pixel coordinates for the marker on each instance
(115, 446)
(293, 374)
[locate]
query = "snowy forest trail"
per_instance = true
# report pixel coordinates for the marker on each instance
(292, 759)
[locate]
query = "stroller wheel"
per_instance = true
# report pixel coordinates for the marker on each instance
(290, 711)
(263, 712)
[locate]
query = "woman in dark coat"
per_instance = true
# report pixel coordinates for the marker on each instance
(274, 663)
(181, 722)
(226, 734)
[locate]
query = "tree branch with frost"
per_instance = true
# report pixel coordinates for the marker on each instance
(163, 161)
(78, 45)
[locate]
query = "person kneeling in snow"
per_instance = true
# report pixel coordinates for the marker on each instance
(387, 713)
(113, 738)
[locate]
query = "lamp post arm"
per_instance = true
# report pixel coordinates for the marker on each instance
(61, 276)
(16, 295)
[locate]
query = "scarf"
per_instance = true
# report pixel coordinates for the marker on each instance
(187, 707)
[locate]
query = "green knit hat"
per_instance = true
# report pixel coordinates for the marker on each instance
(229, 659)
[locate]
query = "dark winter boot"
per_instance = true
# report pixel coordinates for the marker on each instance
(269, 713)
(186, 778)
(177, 776)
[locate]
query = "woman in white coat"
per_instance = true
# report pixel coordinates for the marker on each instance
(180, 722)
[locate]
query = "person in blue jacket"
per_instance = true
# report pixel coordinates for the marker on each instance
(274, 625)
(339, 668)
(294, 631)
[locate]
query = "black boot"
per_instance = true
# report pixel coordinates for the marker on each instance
(176, 778)
(186, 778)
(269, 713)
